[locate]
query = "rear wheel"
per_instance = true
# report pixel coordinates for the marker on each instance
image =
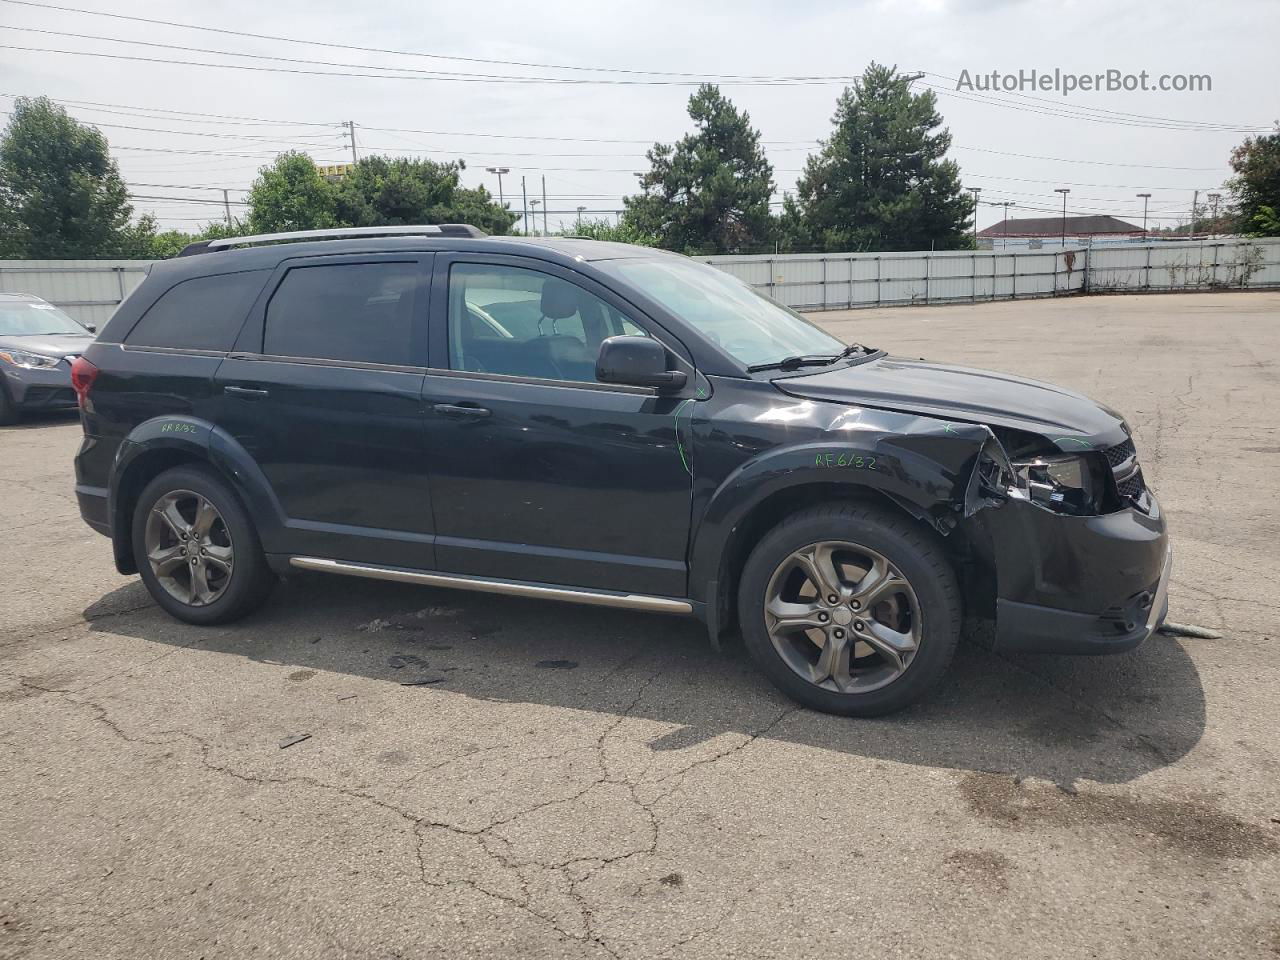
(196, 548)
(850, 609)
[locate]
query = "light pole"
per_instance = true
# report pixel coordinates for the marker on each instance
(534, 204)
(1146, 198)
(1064, 191)
(499, 171)
(1213, 199)
(524, 206)
(975, 191)
(1005, 224)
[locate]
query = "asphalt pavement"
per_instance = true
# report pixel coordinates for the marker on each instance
(378, 770)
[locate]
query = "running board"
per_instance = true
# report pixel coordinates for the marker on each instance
(513, 588)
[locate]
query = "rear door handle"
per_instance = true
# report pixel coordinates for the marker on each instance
(248, 393)
(461, 410)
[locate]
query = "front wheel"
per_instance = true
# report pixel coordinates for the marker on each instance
(850, 609)
(196, 548)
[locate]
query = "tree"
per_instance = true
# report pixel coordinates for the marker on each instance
(387, 191)
(291, 195)
(145, 240)
(709, 193)
(882, 180)
(61, 194)
(1256, 185)
(606, 230)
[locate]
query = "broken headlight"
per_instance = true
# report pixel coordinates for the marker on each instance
(1066, 484)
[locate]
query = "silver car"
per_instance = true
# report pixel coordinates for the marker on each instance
(38, 342)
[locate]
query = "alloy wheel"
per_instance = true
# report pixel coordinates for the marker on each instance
(842, 617)
(189, 547)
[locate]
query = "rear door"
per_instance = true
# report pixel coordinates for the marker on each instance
(324, 392)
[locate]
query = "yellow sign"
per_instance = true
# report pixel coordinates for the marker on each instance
(335, 169)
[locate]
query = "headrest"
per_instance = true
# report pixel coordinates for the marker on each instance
(559, 299)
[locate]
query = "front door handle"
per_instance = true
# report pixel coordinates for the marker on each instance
(248, 393)
(461, 410)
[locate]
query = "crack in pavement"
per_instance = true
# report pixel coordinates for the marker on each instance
(574, 871)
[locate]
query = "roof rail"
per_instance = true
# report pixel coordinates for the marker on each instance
(337, 233)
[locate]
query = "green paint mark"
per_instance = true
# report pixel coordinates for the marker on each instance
(1083, 443)
(838, 459)
(179, 428)
(950, 429)
(679, 442)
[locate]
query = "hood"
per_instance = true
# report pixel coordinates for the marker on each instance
(1066, 418)
(50, 345)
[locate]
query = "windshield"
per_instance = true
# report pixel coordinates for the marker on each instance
(748, 325)
(26, 318)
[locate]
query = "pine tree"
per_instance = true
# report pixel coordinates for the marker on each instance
(882, 180)
(709, 193)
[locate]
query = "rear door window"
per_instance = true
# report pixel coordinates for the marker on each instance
(204, 313)
(358, 312)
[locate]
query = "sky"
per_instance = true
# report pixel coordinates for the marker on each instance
(182, 133)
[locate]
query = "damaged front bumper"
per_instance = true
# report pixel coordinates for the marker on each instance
(1082, 585)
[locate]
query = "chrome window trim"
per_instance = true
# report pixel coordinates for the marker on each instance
(542, 381)
(176, 351)
(326, 362)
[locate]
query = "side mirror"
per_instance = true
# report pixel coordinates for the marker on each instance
(91, 327)
(637, 362)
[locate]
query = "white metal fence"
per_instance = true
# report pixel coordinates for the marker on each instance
(836, 281)
(90, 289)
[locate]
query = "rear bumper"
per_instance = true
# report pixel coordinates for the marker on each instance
(1032, 628)
(95, 507)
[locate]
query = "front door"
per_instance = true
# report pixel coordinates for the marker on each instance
(538, 472)
(324, 391)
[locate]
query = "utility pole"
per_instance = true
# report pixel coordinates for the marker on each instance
(580, 209)
(534, 204)
(1005, 223)
(545, 232)
(524, 206)
(1195, 202)
(1064, 191)
(499, 171)
(1146, 197)
(226, 203)
(1213, 199)
(975, 191)
(351, 131)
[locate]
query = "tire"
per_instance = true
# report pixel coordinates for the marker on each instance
(8, 411)
(233, 585)
(926, 612)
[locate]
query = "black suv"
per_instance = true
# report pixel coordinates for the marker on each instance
(604, 424)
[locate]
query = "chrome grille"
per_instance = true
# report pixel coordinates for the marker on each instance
(1132, 486)
(1123, 459)
(1120, 453)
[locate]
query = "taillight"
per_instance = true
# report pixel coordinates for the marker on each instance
(83, 373)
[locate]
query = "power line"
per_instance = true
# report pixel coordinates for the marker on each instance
(564, 139)
(385, 73)
(205, 133)
(405, 53)
(98, 106)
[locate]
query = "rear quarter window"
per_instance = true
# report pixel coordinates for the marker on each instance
(204, 313)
